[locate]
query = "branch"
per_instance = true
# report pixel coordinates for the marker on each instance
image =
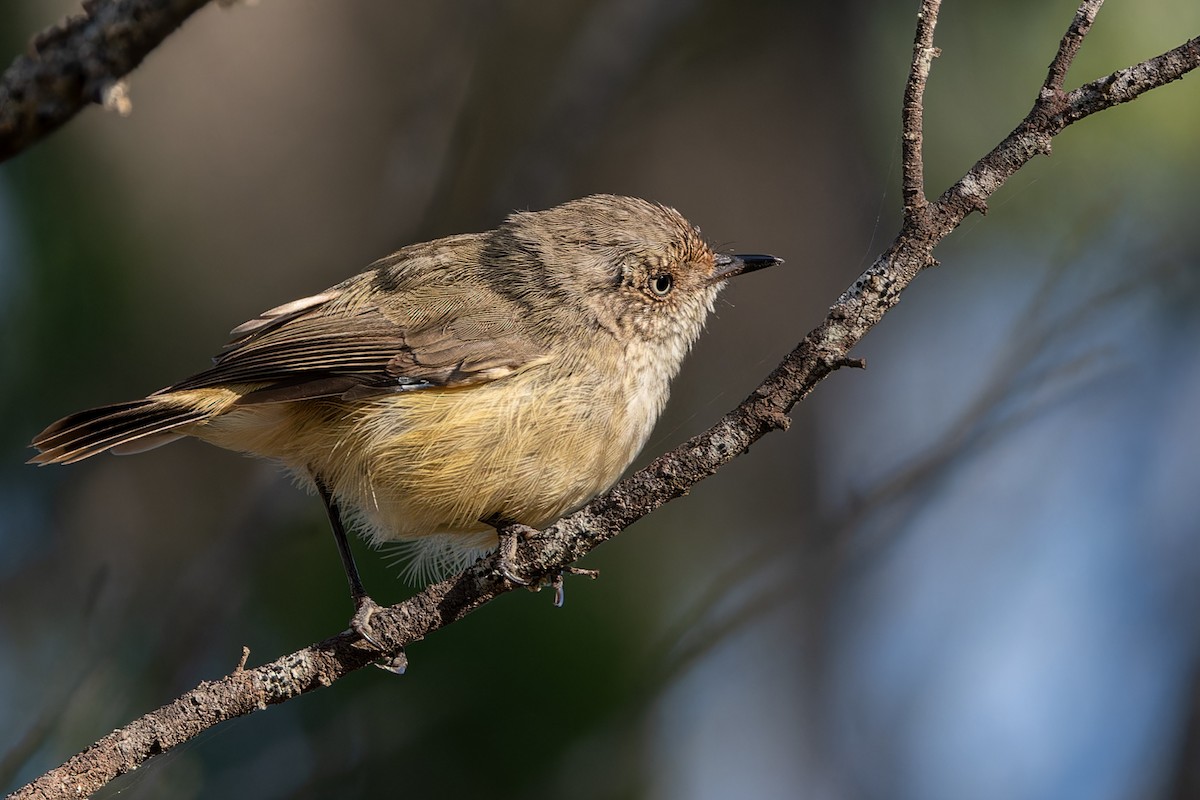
(912, 122)
(1051, 114)
(1072, 40)
(79, 61)
(545, 554)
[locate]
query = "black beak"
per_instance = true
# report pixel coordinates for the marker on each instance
(729, 265)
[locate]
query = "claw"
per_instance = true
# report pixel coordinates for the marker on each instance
(506, 552)
(360, 623)
(556, 582)
(395, 665)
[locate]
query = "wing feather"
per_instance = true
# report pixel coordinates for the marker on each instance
(334, 345)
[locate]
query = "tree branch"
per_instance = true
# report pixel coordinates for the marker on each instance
(79, 61)
(1050, 115)
(1068, 48)
(545, 554)
(912, 115)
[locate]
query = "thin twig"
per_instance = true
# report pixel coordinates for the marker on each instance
(1048, 118)
(913, 111)
(1131, 83)
(1068, 48)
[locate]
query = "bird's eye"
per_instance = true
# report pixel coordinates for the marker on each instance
(661, 284)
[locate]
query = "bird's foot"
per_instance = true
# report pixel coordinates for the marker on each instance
(360, 623)
(509, 536)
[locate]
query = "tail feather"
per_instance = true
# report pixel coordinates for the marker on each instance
(87, 433)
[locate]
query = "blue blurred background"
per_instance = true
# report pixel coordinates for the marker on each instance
(972, 570)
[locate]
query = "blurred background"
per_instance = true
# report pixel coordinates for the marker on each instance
(970, 571)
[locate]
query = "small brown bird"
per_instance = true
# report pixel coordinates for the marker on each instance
(504, 376)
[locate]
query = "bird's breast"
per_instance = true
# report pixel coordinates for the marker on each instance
(527, 448)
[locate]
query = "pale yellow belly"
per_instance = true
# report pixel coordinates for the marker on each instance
(432, 462)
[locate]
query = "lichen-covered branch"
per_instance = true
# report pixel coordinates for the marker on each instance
(79, 61)
(543, 554)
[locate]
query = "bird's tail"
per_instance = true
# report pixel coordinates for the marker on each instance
(129, 427)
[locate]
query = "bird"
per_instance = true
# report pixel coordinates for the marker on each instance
(455, 385)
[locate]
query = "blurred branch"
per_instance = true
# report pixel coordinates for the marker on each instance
(544, 554)
(1185, 778)
(80, 61)
(616, 42)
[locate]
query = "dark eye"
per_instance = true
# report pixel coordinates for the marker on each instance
(661, 284)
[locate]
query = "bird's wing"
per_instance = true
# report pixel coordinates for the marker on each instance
(341, 344)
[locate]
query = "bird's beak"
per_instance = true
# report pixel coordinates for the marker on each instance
(726, 265)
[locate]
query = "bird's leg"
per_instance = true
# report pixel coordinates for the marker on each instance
(364, 606)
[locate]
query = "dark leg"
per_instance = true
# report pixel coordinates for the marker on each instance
(364, 606)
